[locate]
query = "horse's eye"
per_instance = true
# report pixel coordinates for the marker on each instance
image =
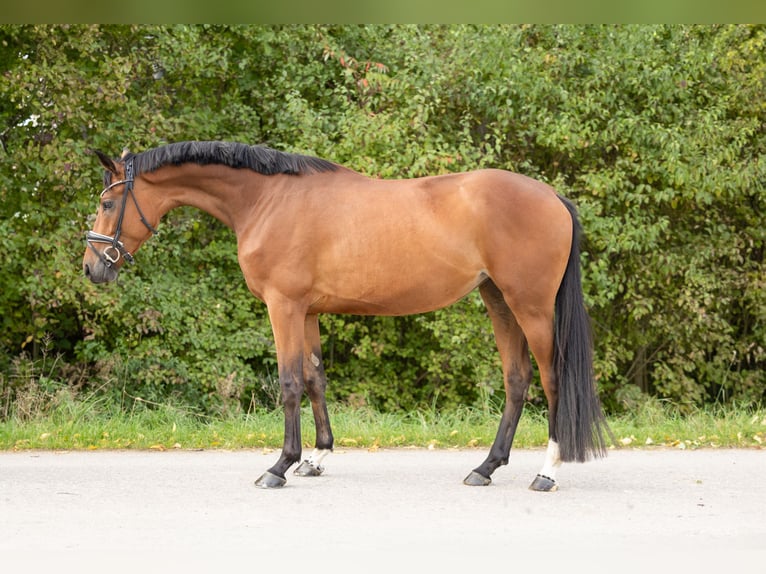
(107, 205)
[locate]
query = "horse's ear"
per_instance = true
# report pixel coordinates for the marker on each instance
(106, 161)
(125, 152)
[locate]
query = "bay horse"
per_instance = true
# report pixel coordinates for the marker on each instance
(316, 237)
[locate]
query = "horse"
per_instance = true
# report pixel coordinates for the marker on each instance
(316, 237)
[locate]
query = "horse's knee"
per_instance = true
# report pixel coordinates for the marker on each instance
(292, 391)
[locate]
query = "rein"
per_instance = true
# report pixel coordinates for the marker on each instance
(116, 249)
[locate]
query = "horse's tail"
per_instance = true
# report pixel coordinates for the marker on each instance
(580, 422)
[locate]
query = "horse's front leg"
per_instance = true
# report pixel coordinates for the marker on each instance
(316, 385)
(287, 323)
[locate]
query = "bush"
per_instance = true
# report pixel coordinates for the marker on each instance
(656, 132)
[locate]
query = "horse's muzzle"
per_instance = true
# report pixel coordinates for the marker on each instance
(98, 272)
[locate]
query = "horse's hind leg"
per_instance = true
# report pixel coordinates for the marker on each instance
(517, 374)
(539, 331)
(316, 384)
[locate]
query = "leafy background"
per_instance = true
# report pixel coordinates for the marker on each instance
(657, 133)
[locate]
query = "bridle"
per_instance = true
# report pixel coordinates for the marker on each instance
(115, 248)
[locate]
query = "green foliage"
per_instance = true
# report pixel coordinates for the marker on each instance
(656, 132)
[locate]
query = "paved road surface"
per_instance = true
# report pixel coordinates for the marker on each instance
(386, 511)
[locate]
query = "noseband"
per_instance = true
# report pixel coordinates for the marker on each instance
(115, 248)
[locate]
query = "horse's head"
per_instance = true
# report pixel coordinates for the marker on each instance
(121, 226)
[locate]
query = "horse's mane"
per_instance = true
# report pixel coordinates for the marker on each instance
(261, 159)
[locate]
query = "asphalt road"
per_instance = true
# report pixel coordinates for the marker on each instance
(385, 511)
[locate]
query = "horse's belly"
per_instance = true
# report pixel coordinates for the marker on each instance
(404, 294)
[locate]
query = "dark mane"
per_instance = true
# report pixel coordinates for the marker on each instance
(261, 159)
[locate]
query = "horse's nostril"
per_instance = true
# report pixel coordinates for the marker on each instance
(86, 268)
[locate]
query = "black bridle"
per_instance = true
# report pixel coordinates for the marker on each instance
(116, 249)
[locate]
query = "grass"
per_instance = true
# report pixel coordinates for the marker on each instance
(90, 424)
(39, 412)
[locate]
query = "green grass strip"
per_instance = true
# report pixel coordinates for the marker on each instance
(83, 425)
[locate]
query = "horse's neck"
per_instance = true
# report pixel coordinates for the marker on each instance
(213, 189)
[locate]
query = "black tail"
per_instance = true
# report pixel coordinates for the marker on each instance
(580, 422)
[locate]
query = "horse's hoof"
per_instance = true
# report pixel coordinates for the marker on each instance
(308, 469)
(270, 480)
(476, 479)
(542, 483)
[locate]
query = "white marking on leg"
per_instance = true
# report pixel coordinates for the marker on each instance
(552, 460)
(316, 457)
(314, 360)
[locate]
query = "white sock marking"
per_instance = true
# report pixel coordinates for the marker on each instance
(315, 459)
(552, 460)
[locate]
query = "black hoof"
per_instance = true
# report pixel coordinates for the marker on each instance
(476, 479)
(542, 483)
(269, 480)
(308, 469)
